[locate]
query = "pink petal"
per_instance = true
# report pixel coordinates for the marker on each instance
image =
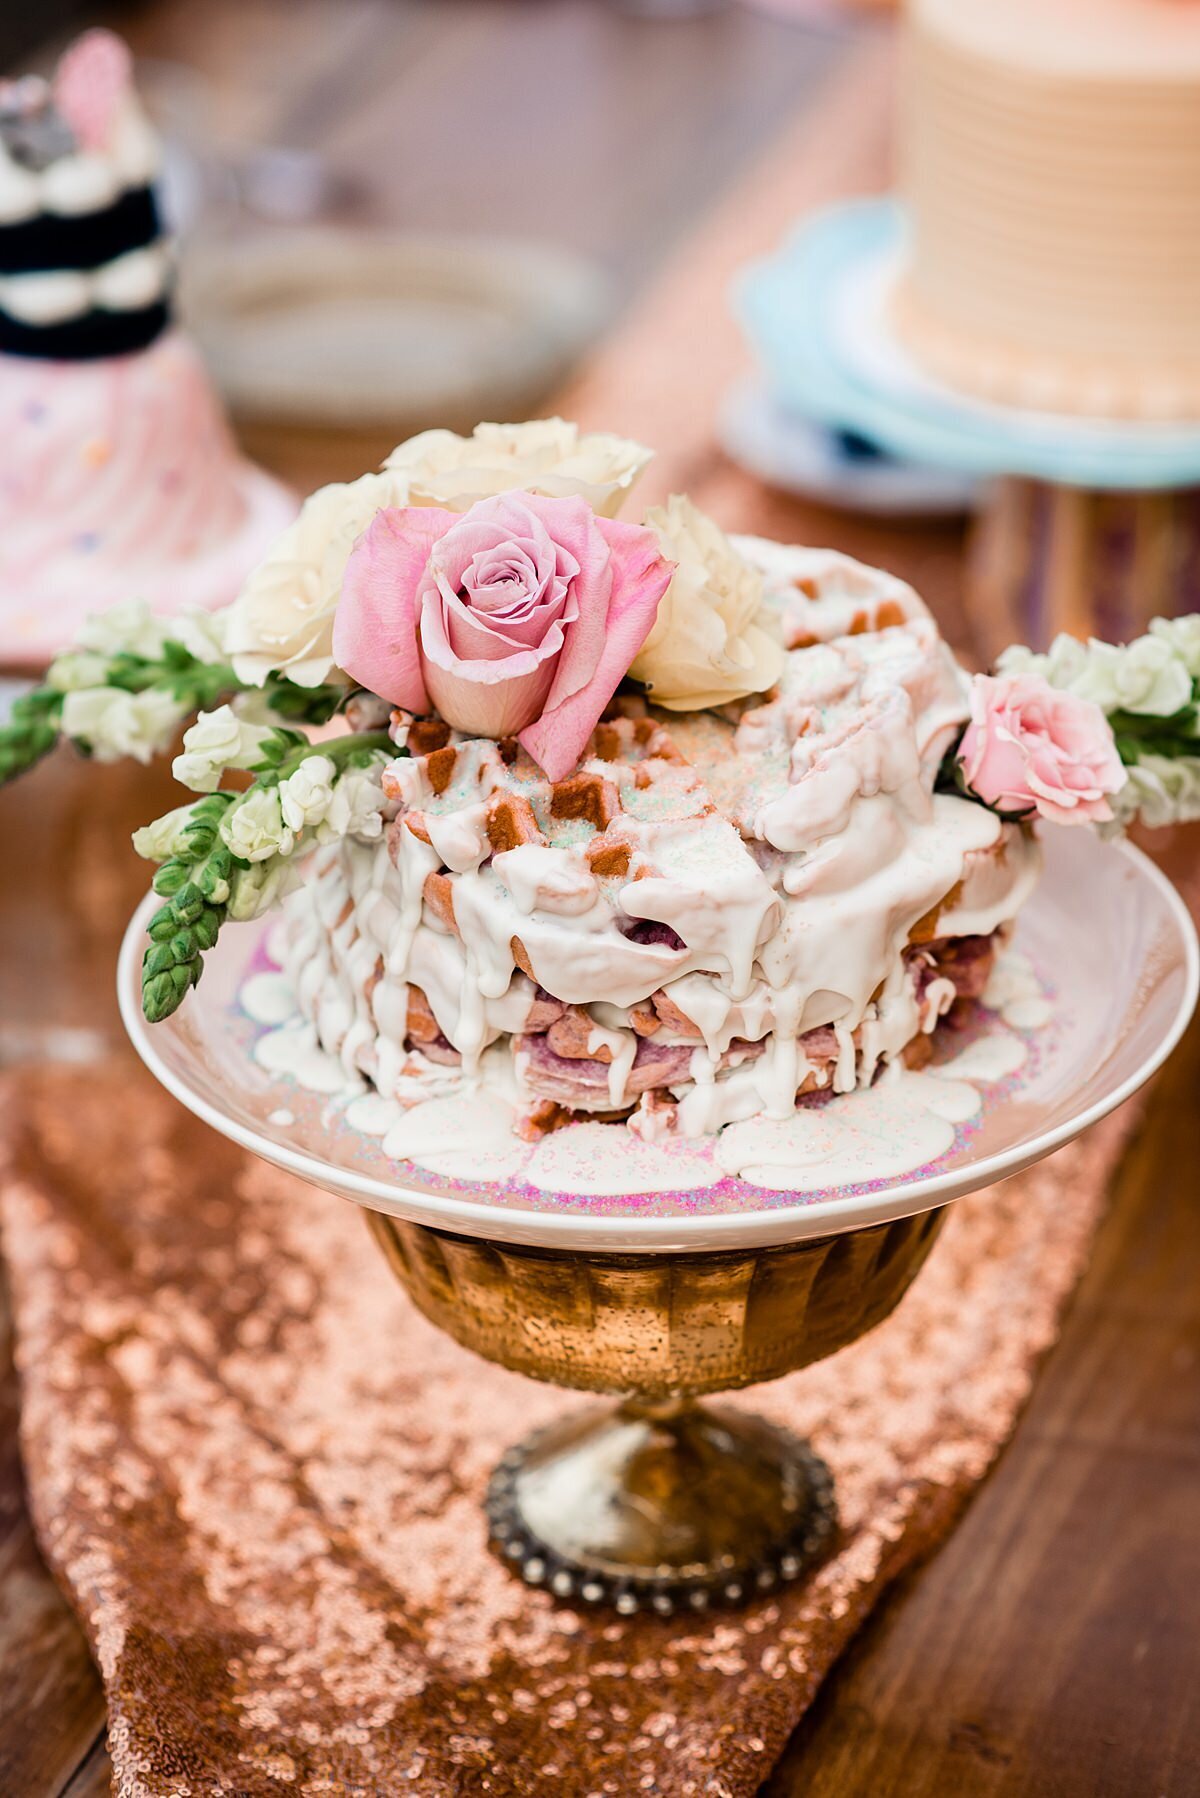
(640, 577)
(375, 625)
(577, 530)
(92, 79)
(495, 701)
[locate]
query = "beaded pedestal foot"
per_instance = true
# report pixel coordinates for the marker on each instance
(664, 1507)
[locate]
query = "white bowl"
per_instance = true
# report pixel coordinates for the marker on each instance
(1110, 930)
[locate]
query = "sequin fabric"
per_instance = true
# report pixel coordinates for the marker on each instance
(257, 1471)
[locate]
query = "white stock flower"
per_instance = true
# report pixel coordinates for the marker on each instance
(1183, 635)
(356, 809)
(1062, 663)
(201, 633)
(114, 723)
(305, 795)
(129, 627)
(76, 669)
(216, 741)
(1149, 676)
(253, 891)
(546, 455)
(711, 641)
(1160, 790)
(1145, 676)
(283, 617)
(253, 827)
(159, 840)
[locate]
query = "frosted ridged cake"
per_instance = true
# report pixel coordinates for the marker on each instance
(1050, 167)
(119, 475)
(710, 917)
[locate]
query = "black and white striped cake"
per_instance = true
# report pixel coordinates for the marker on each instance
(85, 270)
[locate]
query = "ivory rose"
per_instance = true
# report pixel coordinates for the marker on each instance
(1029, 747)
(518, 618)
(283, 617)
(547, 455)
(710, 642)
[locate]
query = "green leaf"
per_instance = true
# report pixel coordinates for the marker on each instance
(304, 705)
(1142, 733)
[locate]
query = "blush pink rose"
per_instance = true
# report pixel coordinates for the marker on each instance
(1030, 748)
(517, 618)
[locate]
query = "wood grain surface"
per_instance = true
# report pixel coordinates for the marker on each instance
(1049, 1650)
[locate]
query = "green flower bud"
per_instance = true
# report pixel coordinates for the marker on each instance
(189, 903)
(183, 947)
(170, 877)
(161, 925)
(157, 960)
(205, 929)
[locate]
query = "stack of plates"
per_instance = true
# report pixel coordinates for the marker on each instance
(819, 315)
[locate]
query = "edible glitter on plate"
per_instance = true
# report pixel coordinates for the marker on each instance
(685, 1193)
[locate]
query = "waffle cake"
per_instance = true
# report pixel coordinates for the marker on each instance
(716, 915)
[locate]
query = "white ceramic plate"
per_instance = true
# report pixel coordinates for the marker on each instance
(1111, 931)
(796, 453)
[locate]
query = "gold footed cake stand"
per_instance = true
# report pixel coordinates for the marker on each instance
(658, 1501)
(655, 1499)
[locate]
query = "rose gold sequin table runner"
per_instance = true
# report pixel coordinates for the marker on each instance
(258, 1473)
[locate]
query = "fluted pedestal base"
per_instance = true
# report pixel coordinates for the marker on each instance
(655, 1502)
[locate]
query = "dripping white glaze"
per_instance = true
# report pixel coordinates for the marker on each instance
(988, 1059)
(1014, 990)
(268, 998)
(294, 1050)
(905, 1121)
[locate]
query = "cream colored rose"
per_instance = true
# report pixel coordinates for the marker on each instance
(547, 456)
(283, 617)
(712, 641)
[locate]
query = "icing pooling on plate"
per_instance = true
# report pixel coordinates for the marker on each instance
(899, 1125)
(1015, 991)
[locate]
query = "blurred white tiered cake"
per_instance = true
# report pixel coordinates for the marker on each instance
(1050, 163)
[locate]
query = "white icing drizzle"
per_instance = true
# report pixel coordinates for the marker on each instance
(461, 1124)
(294, 1050)
(622, 1047)
(373, 1115)
(581, 1160)
(268, 998)
(989, 1058)
(1014, 990)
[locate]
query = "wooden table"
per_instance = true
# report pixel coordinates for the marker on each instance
(1049, 1650)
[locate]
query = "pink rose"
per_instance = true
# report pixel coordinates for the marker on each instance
(517, 618)
(1029, 747)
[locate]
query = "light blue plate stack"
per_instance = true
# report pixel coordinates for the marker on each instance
(818, 315)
